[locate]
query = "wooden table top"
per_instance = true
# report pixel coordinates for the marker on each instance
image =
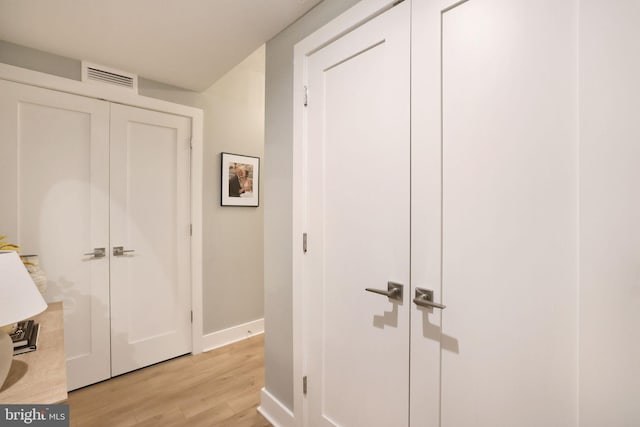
(40, 377)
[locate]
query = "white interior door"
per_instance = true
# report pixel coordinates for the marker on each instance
(150, 221)
(55, 194)
(502, 256)
(358, 154)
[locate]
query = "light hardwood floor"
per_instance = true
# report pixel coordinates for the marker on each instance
(217, 388)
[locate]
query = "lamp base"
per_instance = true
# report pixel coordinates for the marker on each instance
(6, 356)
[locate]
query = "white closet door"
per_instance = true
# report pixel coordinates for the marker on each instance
(54, 194)
(358, 153)
(501, 169)
(150, 281)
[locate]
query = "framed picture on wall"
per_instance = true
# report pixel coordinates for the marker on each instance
(240, 180)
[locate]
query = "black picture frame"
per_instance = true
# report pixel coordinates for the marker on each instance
(240, 180)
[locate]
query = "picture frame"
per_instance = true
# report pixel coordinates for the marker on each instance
(240, 180)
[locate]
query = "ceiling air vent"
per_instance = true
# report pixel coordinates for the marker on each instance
(94, 73)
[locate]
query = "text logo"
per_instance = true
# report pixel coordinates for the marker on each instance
(34, 415)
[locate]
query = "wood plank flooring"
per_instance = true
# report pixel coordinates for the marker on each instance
(219, 388)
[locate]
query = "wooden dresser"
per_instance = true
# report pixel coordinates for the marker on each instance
(40, 377)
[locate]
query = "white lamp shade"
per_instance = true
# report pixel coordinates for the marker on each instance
(19, 296)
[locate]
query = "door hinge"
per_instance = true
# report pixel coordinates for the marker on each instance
(304, 385)
(191, 316)
(304, 243)
(306, 96)
(190, 229)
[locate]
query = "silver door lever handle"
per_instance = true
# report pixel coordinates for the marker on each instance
(394, 291)
(120, 250)
(97, 253)
(424, 298)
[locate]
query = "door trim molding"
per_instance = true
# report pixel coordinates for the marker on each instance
(339, 26)
(123, 96)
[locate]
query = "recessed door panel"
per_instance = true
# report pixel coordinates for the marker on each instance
(150, 280)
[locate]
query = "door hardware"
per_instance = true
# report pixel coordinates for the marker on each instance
(424, 298)
(97, 253)
(120, 250)
(394, 291)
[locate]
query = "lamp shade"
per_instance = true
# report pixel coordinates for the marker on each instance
(19, 296)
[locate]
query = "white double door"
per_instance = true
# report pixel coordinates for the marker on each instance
(442, 158)
(82, 179)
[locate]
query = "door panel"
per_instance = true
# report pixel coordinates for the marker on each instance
(358, 223)
(150, 287)
(55, 204)
(507, 352)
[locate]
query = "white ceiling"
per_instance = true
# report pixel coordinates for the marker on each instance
(186, 43)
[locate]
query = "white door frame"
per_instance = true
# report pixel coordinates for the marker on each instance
(127, 97)
(349, 20)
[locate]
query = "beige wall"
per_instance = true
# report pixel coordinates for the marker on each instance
(233, 122)
(233, 244)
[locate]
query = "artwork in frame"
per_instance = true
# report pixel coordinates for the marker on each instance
(240, 180)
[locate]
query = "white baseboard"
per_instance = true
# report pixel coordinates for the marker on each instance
(274, 411)
(232, 334)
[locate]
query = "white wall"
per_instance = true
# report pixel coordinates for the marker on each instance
(610, 213)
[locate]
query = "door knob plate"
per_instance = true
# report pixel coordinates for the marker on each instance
(120, 250)
(394, 291)
(424, 298)
(97, 253)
